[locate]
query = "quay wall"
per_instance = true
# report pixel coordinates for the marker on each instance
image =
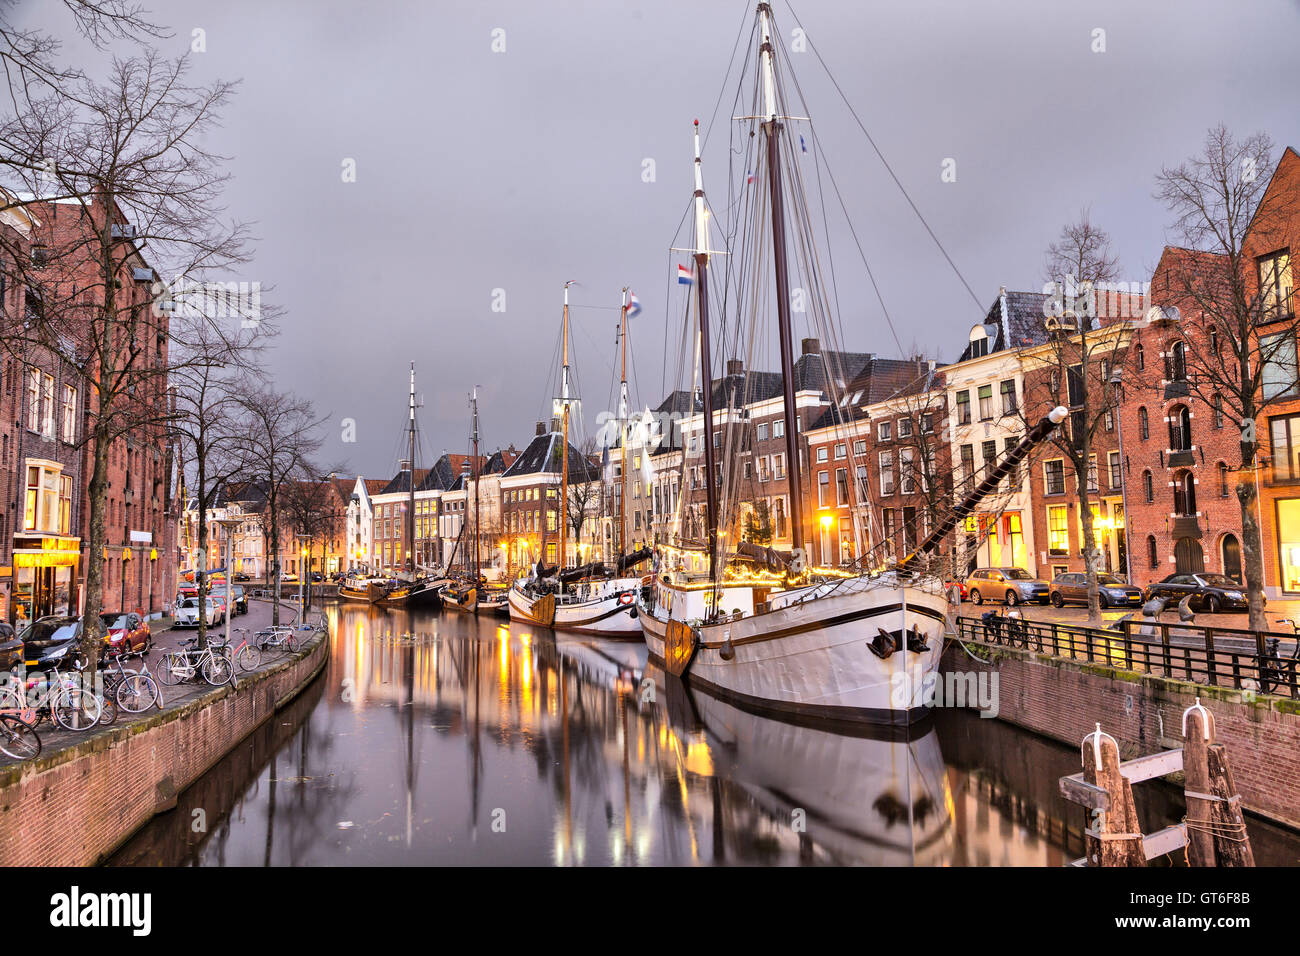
(1065, 699)
(74, 806)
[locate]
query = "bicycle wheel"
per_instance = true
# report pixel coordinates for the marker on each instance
(18, 739)
(75, 709)
(248, 658)
(137, 694)
(174, 669)
(290, 644)
(107, 710)
(217, 670)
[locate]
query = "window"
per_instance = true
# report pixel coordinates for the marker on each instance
(1116, 473)
(65, 504)
(760, 431)
(927, 423)
(1278, 354)
(1148, 489)
(1153, 559)
(1184, 493)
(1074, 385)
(1275, 285)
(749, 473)
(884, 431)
(1058, 529)
(1176, 363)
(841, 486)
(886, 472)
(1180, 428)
(1009, 397)
(1218, 410)
(1092, 473)
(778, 466)
(906, 471)
(1284, 434)
(864, 483)
(859, 448)
(823, 487)
(1214, 341)
(1144, 424)
(990, 452)
(69, 414)
(822, 453)
(1054, 476)
(968, 463)
(34, 399)
(778, 428)
(840, 451)
(1013, 477)
(1141, 357)
(986, 402)
(778, 518)
(963, 408)
(904, 428)
(1223, 479)
(762, 469)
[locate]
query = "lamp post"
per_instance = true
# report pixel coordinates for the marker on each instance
(302, 580)
(228, 526)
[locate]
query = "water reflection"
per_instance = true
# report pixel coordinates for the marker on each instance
(458, 740)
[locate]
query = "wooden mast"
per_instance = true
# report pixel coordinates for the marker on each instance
(474, 459)
(772, 131)
(564, 433)
(410, 504)
(706, 363)
(622, 433)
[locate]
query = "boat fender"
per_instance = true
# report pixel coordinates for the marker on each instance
(631, 612)
(727, 651)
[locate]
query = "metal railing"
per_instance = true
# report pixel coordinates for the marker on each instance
(1260, 661)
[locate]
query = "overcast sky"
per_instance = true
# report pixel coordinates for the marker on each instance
(479, 170)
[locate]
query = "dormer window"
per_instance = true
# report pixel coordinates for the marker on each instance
(979, 341)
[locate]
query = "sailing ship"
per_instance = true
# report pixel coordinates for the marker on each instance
(591, 598)
(773, 634)
(471, 593)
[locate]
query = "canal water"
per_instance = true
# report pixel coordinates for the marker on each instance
(437, 739)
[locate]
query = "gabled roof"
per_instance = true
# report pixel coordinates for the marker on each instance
(543, 455)
(880, 381)
(402, 481)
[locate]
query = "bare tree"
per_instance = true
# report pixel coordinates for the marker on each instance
(1249, 361)
(1084, 346)
(114, 166)
(282, 438)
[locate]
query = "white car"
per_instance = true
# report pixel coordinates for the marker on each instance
(187, 612)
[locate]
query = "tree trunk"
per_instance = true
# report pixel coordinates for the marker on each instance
(274, 510)
(1252, 551)
(1091, 556)
(92, 629)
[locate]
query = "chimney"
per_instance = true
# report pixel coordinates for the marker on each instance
(541, 428)
(812, 347)
(735, 366)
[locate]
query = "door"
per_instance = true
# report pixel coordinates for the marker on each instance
(1232, 557)
(1188, 557)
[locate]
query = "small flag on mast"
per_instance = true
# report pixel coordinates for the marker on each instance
(802, 144)
(633, 305)
(685, 275)
(749, 177)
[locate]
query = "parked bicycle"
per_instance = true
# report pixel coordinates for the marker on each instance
(18, 736)
(210, 662)
(132, 691)
(1276, 671)
(64, 699)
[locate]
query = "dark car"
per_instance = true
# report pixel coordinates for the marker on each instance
(11, 647)
(126, 633)
(317, 576)
(46, 634)
(1013, 585)
(243, 576)
(1112, 591)
(241, 600)
(1210, 592)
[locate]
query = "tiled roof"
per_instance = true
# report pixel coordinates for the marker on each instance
(880, 381)
(543, 455)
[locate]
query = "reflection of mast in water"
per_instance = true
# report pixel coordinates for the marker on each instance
(270, 810)
(476, 751)
(568, 801)
(410, 742)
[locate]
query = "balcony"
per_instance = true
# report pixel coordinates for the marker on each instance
(1181, 459)
(1177, 389)
(1185, 526)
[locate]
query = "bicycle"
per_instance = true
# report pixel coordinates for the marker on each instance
(247, 656)
(210, 663)
(18, 736)
(277, 637)
(1276, 671)
(132, 691)
(66, 701)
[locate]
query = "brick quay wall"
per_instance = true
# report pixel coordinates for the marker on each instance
(74, 806)
(1064, 700)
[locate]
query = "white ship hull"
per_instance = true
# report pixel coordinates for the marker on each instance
(812, 660)
(610, 609)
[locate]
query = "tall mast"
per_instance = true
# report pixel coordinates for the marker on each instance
(410, 505)
(474, 459)
(706, 363)
(622, 433)
(772, 131)
(564, 432)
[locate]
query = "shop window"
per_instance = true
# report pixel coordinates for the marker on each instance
(1058, 534)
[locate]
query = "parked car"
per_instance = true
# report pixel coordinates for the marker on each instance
(317, 576)
(11, 647)
(243, 576)
(959, 585)
(126, 633)
(188, 612)
(1210, 592)
(49, 639)
(1013, 585)
(288, 577)
(1112, 591)
(241, 600)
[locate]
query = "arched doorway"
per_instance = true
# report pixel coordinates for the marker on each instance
(1231, 548)
(1188, 557)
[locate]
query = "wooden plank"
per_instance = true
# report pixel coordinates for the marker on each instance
(1164, 841)
(1152, 765)
(1077, 790)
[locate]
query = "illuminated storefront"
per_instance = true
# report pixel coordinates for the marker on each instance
(1288, 543)
(44, 575)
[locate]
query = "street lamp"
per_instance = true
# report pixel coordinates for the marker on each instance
(302, 580)
(228, 525)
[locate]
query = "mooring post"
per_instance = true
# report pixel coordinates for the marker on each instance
(1216, 825)
(1115, 836)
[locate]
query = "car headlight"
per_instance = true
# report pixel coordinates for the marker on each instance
(1233, 595)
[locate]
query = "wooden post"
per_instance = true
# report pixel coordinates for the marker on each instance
(1115, 837)
(1216, 826)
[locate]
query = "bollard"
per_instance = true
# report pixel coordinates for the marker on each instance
(1115, 837)
(1216, 826)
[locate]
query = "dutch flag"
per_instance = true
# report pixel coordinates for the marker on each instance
(685, 275)
(633, 304)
